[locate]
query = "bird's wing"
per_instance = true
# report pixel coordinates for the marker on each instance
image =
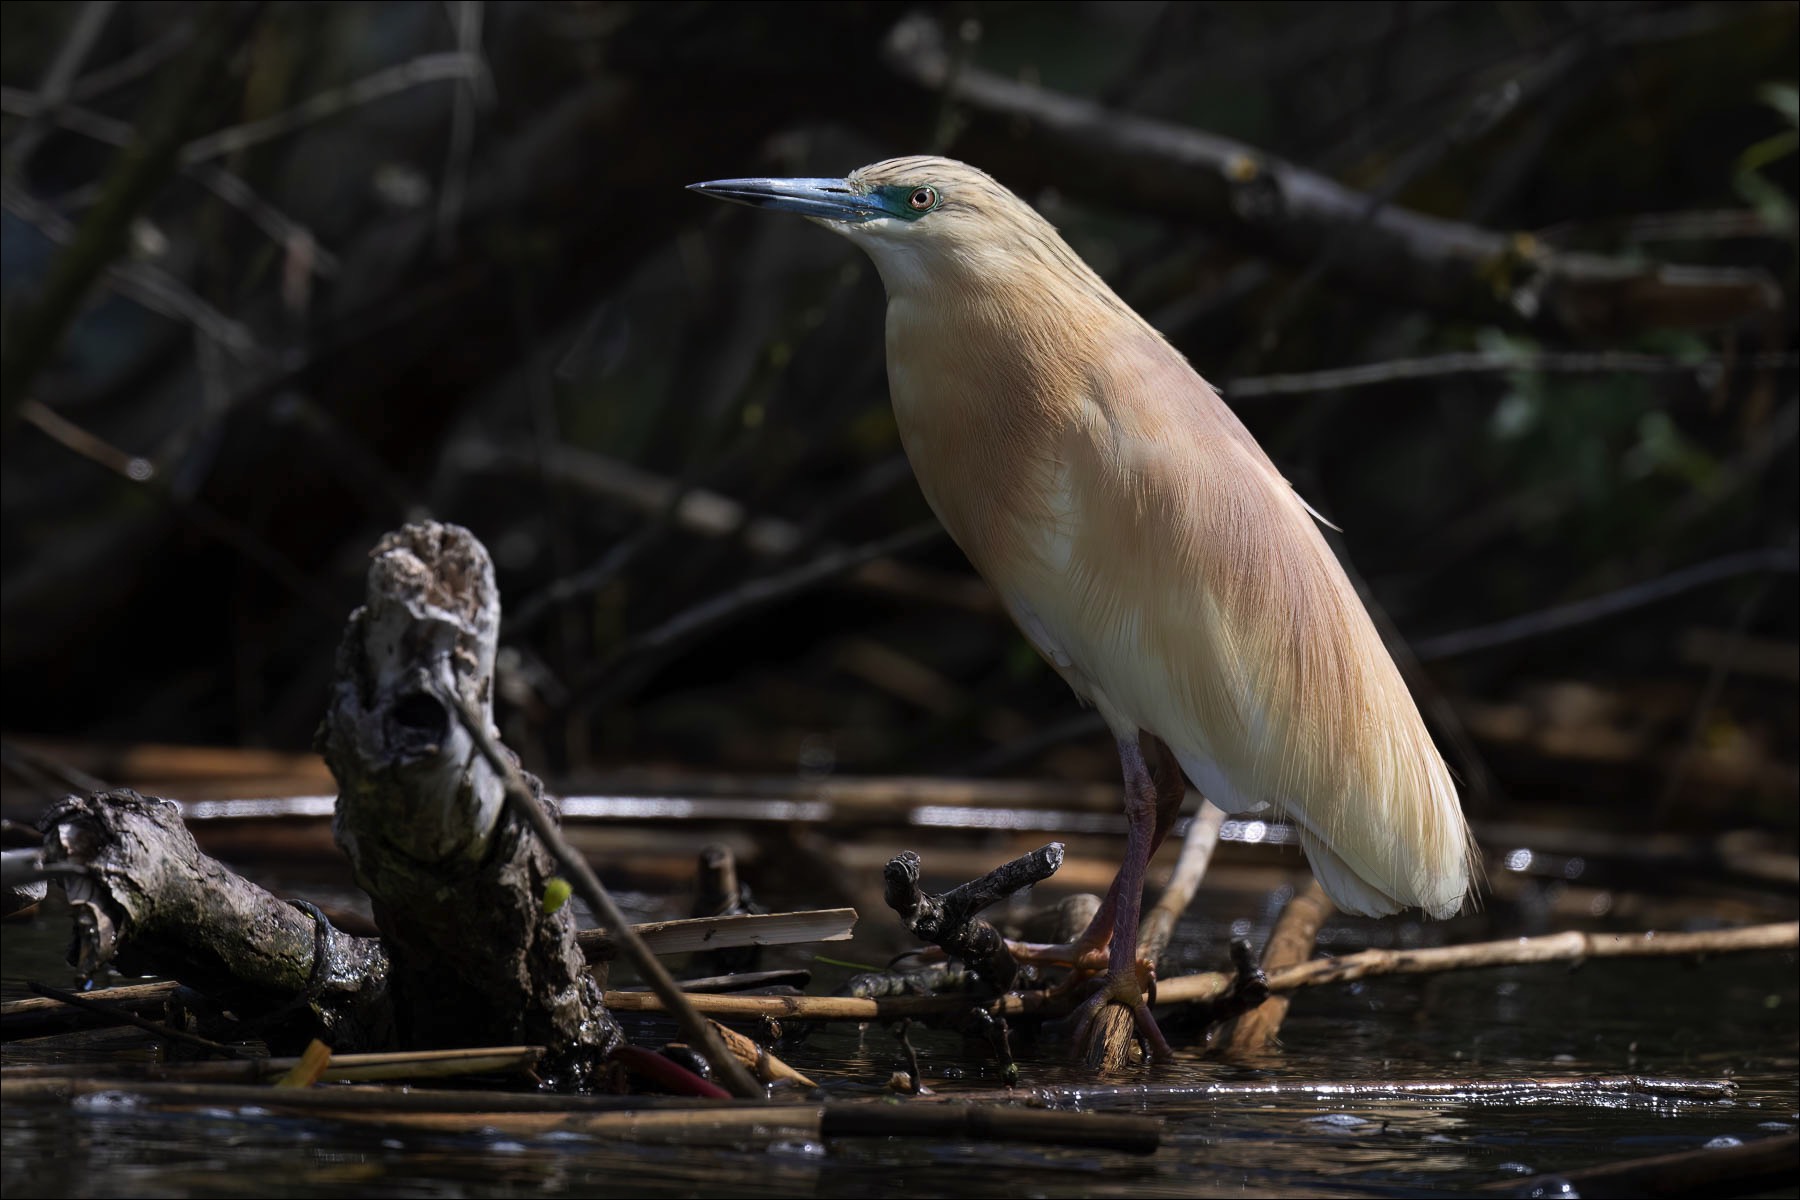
(1195, 598)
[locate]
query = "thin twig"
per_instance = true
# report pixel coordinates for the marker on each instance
(1547, 362)
(1296, 214)
(1773, 560)
(588, 886)
(59, 79)
(1190, 870)
(188, 93)
(738, 602)
(723, 933)
(146, 283)
(281, 229)
(115, 1014)
(141, 471)
(466, 18)
(427, 68)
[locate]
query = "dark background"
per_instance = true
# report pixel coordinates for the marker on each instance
(365, 262)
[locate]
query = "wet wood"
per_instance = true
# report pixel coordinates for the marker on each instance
(950, 920)
(1207, 986)
(143, 893)
(525, 804)
(717, 933)
(340, 1068)
(1290, 944)
(1766, 1166)
(760, 1059)
(457, 877)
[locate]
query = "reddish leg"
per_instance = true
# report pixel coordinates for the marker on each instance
(1152, 797)
(1158, 764)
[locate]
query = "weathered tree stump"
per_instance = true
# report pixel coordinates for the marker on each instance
(458, 883)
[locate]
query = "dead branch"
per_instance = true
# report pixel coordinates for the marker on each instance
(760, 1059)
(143, 892)
(282, 229)
(750, 597)
(1114, 1028)
(1032, 135)
(949, 920)
(1571, 946)
(1290, 944)
(1559, 947)
(184, 102)
(1197, 849)
(1773, 559)
(1492, 362)
(59, 79)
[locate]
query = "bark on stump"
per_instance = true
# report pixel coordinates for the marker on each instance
(458, 884)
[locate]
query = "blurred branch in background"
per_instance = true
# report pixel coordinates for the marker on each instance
(1297, 215)
(1507, 291)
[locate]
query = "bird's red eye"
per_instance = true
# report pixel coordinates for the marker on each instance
(923, 199)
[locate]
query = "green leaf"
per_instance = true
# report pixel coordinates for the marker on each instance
(556, 893)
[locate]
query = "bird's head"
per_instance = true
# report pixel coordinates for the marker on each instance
(920, 218)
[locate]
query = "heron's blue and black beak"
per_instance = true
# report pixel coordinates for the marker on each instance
(826, 199)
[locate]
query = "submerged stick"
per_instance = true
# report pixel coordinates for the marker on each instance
(1556, 947)
(1767, 1165)
(1290, 944)
(636, 1117)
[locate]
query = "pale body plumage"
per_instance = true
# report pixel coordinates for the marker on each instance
(1146, 545)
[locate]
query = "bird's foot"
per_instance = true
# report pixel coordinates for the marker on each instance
(1102, 1041)
(1085, 955)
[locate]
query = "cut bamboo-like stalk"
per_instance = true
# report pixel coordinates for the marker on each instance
(722, 933)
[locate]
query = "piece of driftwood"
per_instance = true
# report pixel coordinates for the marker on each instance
(143, 894)
(458, 880)
(1290, 944)
(950, 920)
(338, 1068)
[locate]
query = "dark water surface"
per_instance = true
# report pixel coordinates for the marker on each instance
(1727, 1019)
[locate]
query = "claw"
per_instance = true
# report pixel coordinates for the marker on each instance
(1127, 991)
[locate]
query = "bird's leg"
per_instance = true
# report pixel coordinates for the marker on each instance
(1164, 773)
(1149, 811)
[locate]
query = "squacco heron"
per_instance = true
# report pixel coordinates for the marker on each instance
(1145, 546)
